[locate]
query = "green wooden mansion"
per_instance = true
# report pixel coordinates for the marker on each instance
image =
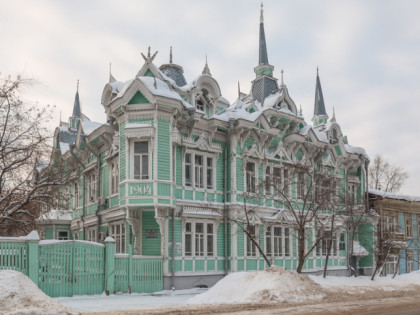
(165, 176)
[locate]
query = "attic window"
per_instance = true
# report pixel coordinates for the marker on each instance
(334, 136)
(199, 104)
(283, 104)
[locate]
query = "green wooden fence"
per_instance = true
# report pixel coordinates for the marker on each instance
(67, 268)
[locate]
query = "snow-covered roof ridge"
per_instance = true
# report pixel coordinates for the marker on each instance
(389, 195)
(321, 136)
(89, 126)
(56, 215)
(356, 150)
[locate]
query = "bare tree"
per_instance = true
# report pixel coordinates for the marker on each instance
(316, 187)
(385, 176)
(242, 217)
(27, 185)
(388, 241)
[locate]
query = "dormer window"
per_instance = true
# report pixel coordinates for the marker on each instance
(199, 104)
(334, 136)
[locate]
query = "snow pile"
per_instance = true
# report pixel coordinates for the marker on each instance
(19, 295)
(274, 284)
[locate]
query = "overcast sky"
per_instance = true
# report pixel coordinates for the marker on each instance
(368, 53)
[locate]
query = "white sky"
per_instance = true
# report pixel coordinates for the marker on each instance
(368, 53)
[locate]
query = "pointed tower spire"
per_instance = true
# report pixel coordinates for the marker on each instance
(76, 108)
(264, 84)
(111, 77)
(320, 115)
(333, 117)
(263, 59)
(206, 69)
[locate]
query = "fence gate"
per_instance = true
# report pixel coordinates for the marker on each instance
(71, 268)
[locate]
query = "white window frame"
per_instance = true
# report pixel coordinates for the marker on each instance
(300, 185)
(321, 249)
(250, 177)
(250, 247)
(91, 234)
(408, 219)
(132, 144)
(204, 170)
(390, 223)
(118, 232)
(280, 181)
(115, 177)
(284, 241)
(205, 235)
(92, 186)
(66, 238)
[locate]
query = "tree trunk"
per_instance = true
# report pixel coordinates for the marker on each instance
(301, 251)
(327, 257)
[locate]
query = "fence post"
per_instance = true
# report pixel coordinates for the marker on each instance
(33, 256)
(109, 265)
(130, 267)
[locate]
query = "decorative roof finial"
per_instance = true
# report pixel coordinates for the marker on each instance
(317, 71)
(77, 85)
(262, 13)
(111, 77)
(206, 69)
(300, 110)
(333, 117)
(282, 80)
(170, 56)
(239, 90)
(149, 58)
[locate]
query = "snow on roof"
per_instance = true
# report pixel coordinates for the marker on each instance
(203, 213)
(57, 215)
(389, 195)
(116, 86)
(89, 126)
(355, 150)
(321, 136)
(64, 147)
(158, 87)
(359, 250)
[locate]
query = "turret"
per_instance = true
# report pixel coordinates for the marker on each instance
(265, 83)
(320, 115)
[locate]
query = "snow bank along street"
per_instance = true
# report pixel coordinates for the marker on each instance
(273, 287)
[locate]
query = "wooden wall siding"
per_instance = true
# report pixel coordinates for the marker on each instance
(199, 195)
(239, 174)
(220, 168)
(240, 242)
(178, 236)
(114, 201)
(366, 235)
(105, 178)
(164, 189)
(123, 150)
(150, 246)
(163, 160)
(92, 208)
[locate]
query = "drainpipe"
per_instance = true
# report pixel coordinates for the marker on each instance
(84, 188)
(98, 183)
(225, 194)
(173, 251)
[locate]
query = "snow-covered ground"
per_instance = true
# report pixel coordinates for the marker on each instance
(18, 295)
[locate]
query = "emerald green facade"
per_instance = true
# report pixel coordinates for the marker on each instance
(168, 173)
